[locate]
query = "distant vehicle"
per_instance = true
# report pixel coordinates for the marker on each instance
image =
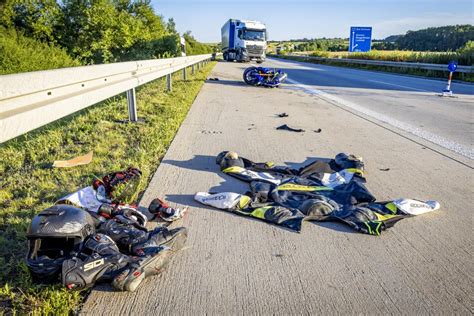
(182, 41)
(244, 40)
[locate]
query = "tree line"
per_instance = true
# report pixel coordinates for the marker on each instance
(93, 31)
(435, 39)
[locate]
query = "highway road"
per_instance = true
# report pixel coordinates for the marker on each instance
(412, 104)
(236, 265)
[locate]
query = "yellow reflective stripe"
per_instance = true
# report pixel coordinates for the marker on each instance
(269, 164)
(244, 201)
(377, 228)
(355, 170)
(298, 187)
(382, 217)
(234, 169)
(260, 212)
(368, 228)
(392, 207)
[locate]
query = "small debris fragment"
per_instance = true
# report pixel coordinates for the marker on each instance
(291, 129)
(213, 79)
(210, 132)
(318, 130)
(384, 169)
(282, 115)
(77, 161)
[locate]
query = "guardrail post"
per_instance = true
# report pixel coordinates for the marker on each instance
(184, 74)
(132, 105)
(192, 70)
(169, 83)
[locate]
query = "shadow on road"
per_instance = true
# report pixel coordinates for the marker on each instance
(198, 162)
(186, 200)
(337, 226)
(227, 82)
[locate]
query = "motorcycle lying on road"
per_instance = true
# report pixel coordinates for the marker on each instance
(261, 76)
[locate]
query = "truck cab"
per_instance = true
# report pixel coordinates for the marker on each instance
(244, 40)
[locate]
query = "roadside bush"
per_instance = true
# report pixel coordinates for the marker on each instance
(193, 47)
(97, 32)
(20, 54)
(463, 57)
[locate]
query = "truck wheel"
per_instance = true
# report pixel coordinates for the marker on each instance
(259, 61)
(224, 56)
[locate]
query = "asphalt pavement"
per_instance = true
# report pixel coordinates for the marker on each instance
(237, 265)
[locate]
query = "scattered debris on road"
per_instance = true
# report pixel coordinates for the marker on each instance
(282, 114)
(324, 190)
(384, 169)
(210, 132)
(291, 129)
(95, 235)
(318, 130)
(77, 161)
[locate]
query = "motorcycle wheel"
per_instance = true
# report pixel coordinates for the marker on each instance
(251, 76)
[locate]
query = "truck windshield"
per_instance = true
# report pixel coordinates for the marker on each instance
(254, 35)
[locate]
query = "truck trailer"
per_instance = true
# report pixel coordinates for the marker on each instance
(244, 40)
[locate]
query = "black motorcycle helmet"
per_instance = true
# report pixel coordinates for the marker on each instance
(54, 235)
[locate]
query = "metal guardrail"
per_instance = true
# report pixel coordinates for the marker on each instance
(439, 67)
(31, 100)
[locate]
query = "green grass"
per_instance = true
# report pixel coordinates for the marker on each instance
(28, 185)
(469, 77)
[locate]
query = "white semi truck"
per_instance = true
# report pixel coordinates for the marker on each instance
(244, 40)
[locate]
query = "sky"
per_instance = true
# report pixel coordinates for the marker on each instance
(314, 19)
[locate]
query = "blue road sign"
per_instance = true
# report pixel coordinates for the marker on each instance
(360, 39)
(452, 66)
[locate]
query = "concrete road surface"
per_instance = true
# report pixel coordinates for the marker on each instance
(237, 265)
(412, 104)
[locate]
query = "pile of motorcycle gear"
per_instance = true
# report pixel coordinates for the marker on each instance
(87, 238)
(324, 190)
(266, 77)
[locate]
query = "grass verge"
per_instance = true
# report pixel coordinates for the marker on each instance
(469, 77)
(28, 185)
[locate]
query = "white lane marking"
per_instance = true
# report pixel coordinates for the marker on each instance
(297, 66)
(399, 85)
(439, 140)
